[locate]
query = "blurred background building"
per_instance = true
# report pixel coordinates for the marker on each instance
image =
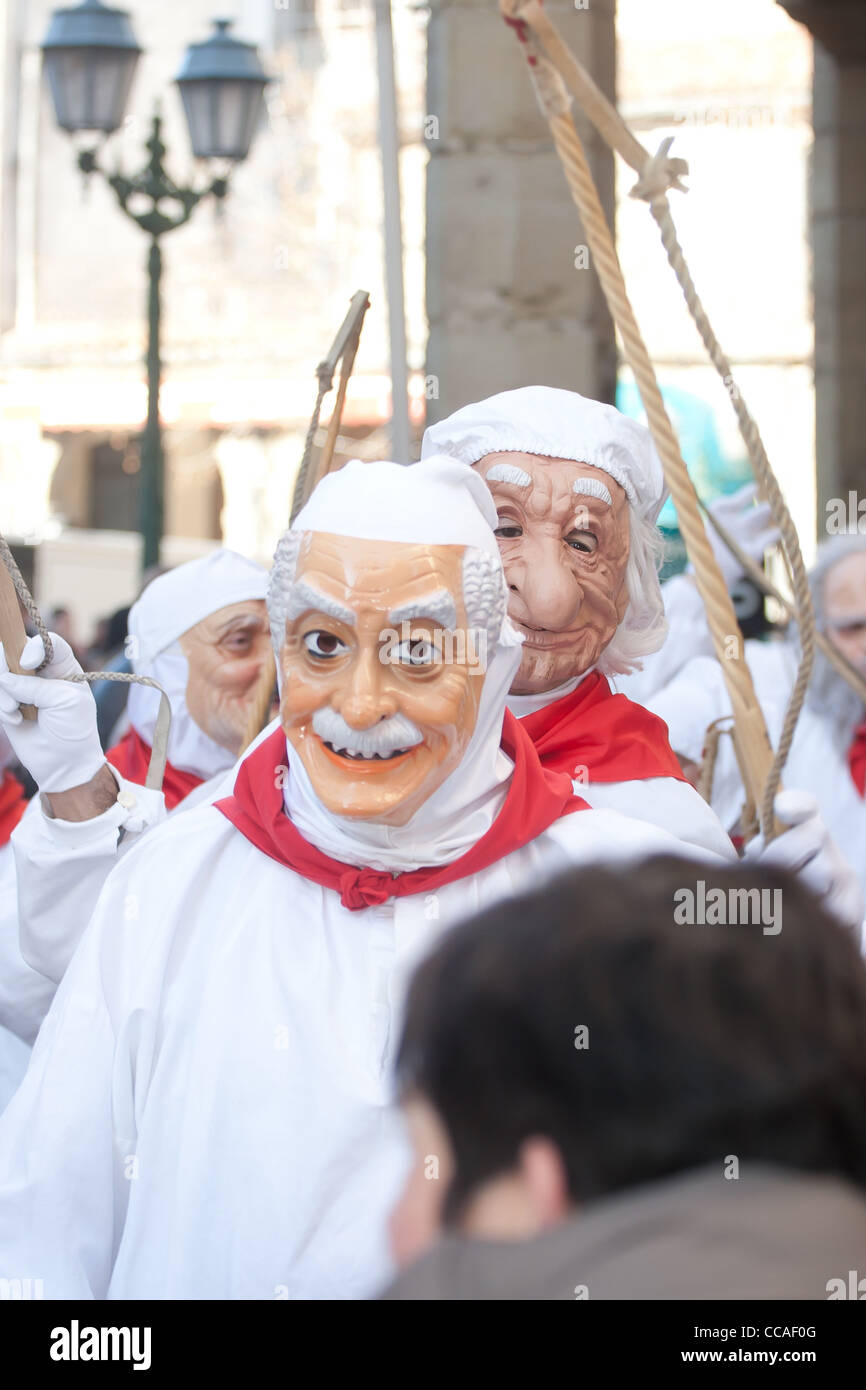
(496, 295)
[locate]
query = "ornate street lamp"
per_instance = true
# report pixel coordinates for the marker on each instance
(90, 54)
(221, 82)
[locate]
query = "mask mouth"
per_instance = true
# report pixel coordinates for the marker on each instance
(544, 637)
(349, 759)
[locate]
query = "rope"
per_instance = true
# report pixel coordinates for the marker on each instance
(753, 748)
(659, 173)
(159, 747)
(660, 209)
(713, 734)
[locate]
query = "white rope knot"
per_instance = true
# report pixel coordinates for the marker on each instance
(660, 174)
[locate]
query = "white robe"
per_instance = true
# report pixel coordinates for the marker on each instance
(207, 1114)
(25, 995)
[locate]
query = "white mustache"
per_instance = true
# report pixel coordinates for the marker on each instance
(392, 735)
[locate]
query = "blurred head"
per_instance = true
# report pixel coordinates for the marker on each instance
(577, 488)
(225, 654)
(552, 1056)
(838, 584)
(200, 631)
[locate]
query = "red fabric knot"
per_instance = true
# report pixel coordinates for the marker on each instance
(536, 798)
(364, 888)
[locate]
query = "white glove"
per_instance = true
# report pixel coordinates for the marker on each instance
(752, 527)
(807, 850)
(61, 747)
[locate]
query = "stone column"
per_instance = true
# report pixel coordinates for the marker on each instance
(511, 300)
(839, 277)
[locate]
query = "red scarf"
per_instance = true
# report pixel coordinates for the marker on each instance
(857, 758)
(13, 804)
(536, 798)
(596, 736)
(131, 757)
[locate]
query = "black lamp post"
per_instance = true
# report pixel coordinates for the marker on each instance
(90, 55)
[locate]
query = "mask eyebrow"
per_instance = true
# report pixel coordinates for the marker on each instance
(439, 606)
(303, 597)
(592, 487)
(508, 473)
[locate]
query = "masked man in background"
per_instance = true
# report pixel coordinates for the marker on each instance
(201, 632)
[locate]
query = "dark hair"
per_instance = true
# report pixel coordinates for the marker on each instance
(702, 1041)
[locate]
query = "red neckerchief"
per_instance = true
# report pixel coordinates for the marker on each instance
(857, 758)
(596, 736)
(13, 804)
(536, 798)
(131, 757)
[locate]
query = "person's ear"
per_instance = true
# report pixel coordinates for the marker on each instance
(545, 1182)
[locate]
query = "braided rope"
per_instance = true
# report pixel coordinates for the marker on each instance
(755, 752)
(661, 211)
(761, 769)
(712, 735)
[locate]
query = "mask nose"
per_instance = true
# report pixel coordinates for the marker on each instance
(549, 593)
(365, 699)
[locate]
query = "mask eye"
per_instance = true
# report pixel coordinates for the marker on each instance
(508, 531)
(416, 651)
(583, 541)
(323, 645)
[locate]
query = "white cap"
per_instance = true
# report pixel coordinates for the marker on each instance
(435, 502)
(176, 601)
(552, 423)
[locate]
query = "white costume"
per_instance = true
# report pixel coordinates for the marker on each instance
(62, 865)
(207, 1111)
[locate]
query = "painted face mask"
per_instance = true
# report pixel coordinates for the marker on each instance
(225, 653)
(563, 532)
(381, 674)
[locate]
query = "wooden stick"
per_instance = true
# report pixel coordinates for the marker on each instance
(349, 348)
(12, 632)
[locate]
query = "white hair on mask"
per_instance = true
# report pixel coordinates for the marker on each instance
(280, 584)
(485, 596)
(644, 626)
(829, 694)
(484, 591)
